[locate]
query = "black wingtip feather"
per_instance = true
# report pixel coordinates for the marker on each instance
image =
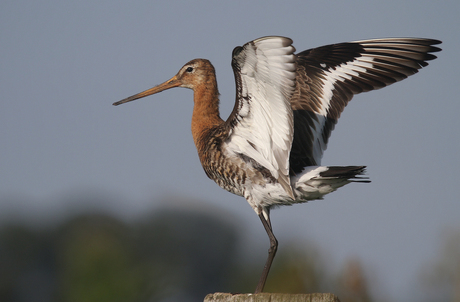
(353, 173)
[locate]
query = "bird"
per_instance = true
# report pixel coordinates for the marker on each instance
(270, 147)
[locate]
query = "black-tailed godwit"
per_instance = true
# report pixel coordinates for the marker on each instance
(269, 149)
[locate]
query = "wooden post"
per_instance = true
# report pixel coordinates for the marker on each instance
(270, 297)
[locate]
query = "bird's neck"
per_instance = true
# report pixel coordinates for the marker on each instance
(206, 109)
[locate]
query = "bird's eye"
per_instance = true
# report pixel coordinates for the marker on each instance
(190, 69)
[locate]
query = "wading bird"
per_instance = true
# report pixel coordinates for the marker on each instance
(269, 149)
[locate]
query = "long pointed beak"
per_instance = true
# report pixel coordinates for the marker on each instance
(171, 83)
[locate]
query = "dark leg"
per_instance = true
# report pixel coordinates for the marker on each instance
(271, 253)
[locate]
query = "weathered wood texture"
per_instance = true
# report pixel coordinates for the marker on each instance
(270, 297)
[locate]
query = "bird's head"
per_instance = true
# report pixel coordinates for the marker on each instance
(193, 74)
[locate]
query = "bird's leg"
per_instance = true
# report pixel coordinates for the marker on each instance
(271, 252)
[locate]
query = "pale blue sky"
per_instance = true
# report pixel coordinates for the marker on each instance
(65, 62)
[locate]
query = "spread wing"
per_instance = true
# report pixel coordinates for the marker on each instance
(261, 124)
(329, 76)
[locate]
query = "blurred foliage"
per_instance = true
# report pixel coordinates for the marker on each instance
(95, 261)
(297, 270)
(441, 278)
(170, 255)
(352, 283)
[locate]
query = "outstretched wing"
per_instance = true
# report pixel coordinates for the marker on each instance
(261, 124)
(329, 76)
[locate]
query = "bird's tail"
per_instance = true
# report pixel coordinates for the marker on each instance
(315, 182)
(351, 173)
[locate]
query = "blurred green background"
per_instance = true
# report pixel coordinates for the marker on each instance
(174, 254)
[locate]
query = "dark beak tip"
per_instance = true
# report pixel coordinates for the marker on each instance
(122, 101)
